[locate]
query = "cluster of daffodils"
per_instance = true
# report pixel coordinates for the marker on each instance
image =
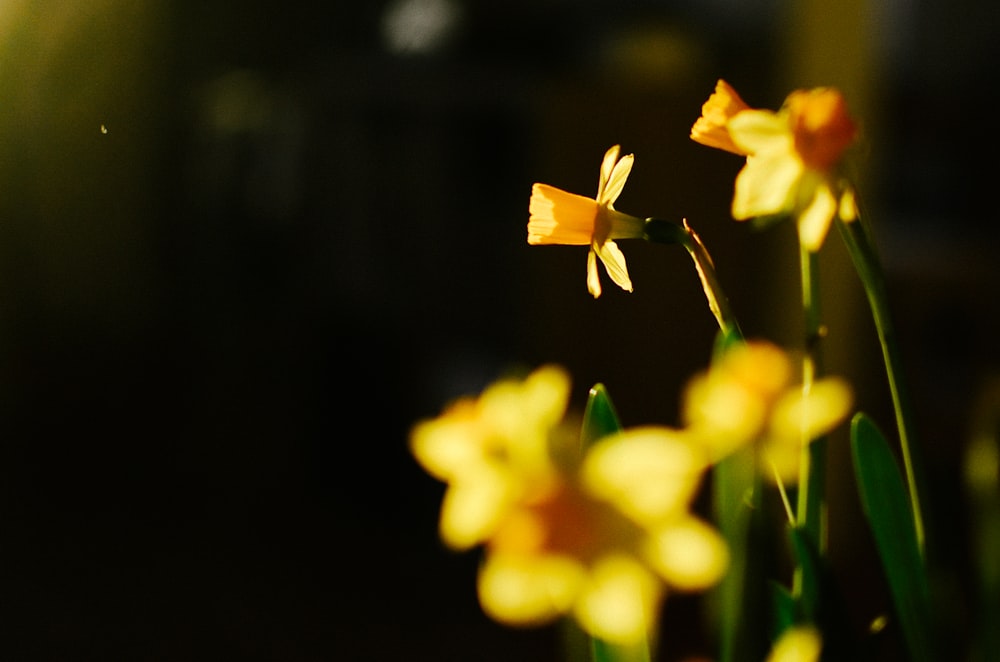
(598, 532)
(751, 396)
(792, 161)
(602, 527)
(603, 531)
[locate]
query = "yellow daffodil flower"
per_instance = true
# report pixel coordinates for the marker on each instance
(558, 217)
(750, 395)
(792, 156)
(599, 534)
(486, 448)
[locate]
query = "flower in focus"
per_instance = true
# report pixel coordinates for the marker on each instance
(792, 156)
(599, 534)
(558, 217)
(750, 395)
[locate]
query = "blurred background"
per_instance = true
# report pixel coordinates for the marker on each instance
(245, 246)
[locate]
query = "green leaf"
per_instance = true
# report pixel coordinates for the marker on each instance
(886, 506)
(725, 339)
(601, 651)
(783, 606)
(808, 569)
(819, 601)
(599, 417)
(740, 624)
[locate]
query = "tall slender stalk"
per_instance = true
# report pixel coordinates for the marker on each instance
(868, 266)
(812, 472)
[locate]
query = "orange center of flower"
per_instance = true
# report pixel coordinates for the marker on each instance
(821, 126)
(564, 521)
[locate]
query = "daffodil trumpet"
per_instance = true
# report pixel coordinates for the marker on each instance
(559, 217)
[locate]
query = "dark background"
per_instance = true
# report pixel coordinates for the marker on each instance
(244, 246)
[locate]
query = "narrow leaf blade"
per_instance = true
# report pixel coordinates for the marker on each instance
(885, 504)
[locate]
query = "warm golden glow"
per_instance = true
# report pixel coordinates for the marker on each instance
(821, 126)
(750, 396)
(710, 129)
(791, 156)
(558, 217)
(599, 533)
(797, 644)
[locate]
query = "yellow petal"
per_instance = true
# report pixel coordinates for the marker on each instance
(689, 554)
(528, 590)
(710, 129)
(756, 131)
(814, 221)
(616, 182)
(607, 167)
(546, 394)
(558, 217)
(614, 263)
(766, 185)
(649, 473)
(848, 207)
(593, 279)
(519, 415)
(797, 644)
(799, 415)
(473, 507)
(724, 414)
(618, 601)
(445, 446)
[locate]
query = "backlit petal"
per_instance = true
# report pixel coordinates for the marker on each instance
(756, 131)
(810, 415)
(528, 590)
(593, 279)
(711, 128)
(558, 217)
(815, 220)
(472, 507)
(607, 167)
(649, 473)
(689, 554)
(766, 185)
(616, 182)
(618, 601)
(444, 446)
(614, 262)
(797, 644)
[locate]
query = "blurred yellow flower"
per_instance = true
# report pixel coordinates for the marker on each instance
(801, 643)
(710, 129)
(791, 155)
(750, 395)
(490, 449)
(558, 217)
(599, 534)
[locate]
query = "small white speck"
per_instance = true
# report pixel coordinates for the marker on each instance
(104, 129)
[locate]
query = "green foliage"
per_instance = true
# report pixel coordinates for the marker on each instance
(886, 507)
(599, 417)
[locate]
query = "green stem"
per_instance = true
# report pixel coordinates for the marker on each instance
(813, 468)
(866, 263)
(601, 651)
